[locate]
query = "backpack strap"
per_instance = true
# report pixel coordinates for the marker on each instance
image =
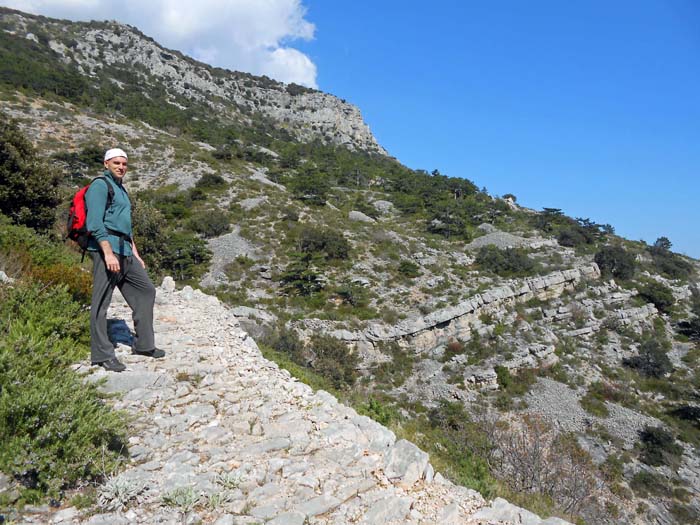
(110, 191)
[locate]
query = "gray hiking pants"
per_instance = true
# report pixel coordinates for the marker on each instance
(140, 294)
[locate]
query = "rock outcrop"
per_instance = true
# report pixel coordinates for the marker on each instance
(426, 332)
(104, 49)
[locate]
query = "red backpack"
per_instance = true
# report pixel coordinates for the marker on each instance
(77, 216)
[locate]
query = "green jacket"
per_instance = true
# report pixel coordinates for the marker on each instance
(116, 218)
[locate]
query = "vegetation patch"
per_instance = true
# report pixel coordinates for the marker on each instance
(615, 261)
(658, 447)
(55, 429)
(646, 483)
(658, 294)
(652, 360)
(511, 262)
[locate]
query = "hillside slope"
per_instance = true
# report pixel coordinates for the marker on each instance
(222, 435)
(480, 329)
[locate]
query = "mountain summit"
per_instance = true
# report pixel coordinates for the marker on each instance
(135, 64)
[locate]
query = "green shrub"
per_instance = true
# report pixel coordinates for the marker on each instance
(28, 189)
(651, 361)
(210, 223)
(43, 260)
(295, 89)
(186, 256)
(332, 244)
(83, 163)
(479, 349)
(573, 236)
(301, 276)
(672, 266)
(407, 204)
(503, 376)
(286, 341)
(646, 484)
(659, 447)
(54, 428)
(197, 194)
(657, 293)
(511, 262)
(169, 201)
(515, 385)
(687, 413)
(78, 281)
(354, 295)
(334, 360)
(359, 203)
(25, 244)
(605, 391)
(460, 444)
(668, 263)
(691, 327)
(394, 372)
(310, 187)
(382, 413)
(449, 218)
(210, 180)
(151, 234)
(302, 372)
(409, 269)
(182, 255)
(684, 514)
(615, 261)
(593, 405)
(613, 468)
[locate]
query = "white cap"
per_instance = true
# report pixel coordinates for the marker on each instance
(115, 152)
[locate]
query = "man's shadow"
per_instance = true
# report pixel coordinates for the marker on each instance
(119, 332)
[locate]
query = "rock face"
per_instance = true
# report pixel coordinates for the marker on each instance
(558, 404)
(359, 216)
(221, 435)
(504, 240)
(438, 327)
(102, 49)
(225, 249)
(501, 511)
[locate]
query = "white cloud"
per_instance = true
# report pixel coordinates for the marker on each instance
(247, 35)
(284, 58)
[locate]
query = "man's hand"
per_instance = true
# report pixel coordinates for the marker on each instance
(112, 262)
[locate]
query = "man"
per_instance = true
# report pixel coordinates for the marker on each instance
(116, 262)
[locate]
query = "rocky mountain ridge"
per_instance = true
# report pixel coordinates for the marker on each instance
(110, 49)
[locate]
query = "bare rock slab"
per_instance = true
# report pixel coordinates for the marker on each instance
(405, 462)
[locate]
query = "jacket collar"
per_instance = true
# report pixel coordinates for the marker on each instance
(108, 174)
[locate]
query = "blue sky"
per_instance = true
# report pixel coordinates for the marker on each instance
(592, 107)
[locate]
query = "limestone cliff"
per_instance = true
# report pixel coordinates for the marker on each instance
(116, 52)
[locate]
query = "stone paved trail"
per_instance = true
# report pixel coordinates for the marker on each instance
(221, 435)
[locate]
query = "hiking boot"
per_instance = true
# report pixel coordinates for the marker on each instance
(112, 365)
(156, 352)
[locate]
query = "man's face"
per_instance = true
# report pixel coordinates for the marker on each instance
(117, 166)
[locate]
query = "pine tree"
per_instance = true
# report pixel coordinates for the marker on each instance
(28, 189)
